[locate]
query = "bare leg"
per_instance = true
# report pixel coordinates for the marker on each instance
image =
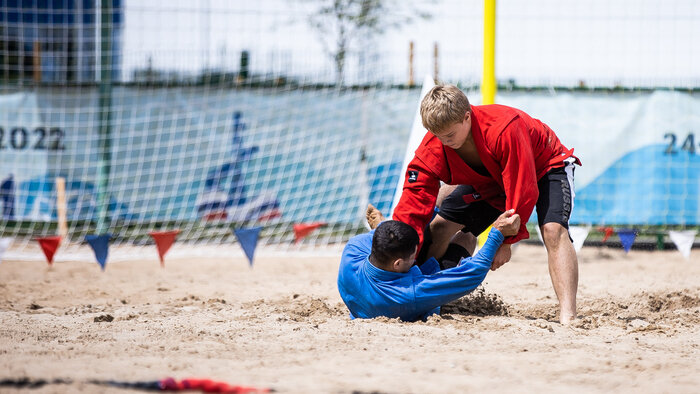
(442, 231)
(563, 269)
(465, 240)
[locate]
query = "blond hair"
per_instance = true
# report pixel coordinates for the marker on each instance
(443, 106)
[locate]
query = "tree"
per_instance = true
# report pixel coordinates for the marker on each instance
(340, 23)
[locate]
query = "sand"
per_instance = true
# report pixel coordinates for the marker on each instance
(282, 325)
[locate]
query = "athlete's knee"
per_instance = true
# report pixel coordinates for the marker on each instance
(553, 234)
(465, 240)
(445, 190)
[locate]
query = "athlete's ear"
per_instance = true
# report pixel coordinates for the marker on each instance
(396, 265)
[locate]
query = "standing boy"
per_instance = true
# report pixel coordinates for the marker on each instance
(501, 158)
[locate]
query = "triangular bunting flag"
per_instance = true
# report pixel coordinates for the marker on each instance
(301, 230)
(248, 238)
(49, 245)
(4, 244)
(579, 234)
(607, 232)
(164, 240)
(683, 241)
(627, 237)
(100, 245)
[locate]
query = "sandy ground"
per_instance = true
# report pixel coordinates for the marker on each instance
(282, 324)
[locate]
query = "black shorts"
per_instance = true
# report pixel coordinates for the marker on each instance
(554, 205)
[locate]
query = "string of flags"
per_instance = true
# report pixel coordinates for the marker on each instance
(578, 235)
(682, 239)
(247, 238)
(49, 245)
(99, 245)
(164, 240)
(301, 230)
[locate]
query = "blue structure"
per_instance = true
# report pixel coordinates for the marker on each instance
(67, 35)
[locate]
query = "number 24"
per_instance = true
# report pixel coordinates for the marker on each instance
(688, 144)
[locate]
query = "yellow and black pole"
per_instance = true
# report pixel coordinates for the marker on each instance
(488, 79)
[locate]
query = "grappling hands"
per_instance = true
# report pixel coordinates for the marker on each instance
(508, 223)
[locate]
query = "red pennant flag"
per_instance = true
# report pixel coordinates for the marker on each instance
(164, 240)
(608, 232)
(49, 246)
(301, 230)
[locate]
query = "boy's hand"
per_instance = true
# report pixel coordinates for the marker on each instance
(508, 223)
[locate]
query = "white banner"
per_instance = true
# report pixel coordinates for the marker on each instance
(24, 147)
(189, 155)
(640, 152)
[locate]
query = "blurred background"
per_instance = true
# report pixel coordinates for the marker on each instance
(126, 117)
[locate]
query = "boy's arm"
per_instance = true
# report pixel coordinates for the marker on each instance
(417, 202)
(448, 285)
(519, 174)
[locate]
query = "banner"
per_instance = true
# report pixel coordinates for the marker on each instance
(640, 153)
(25, 145)
(247, 155)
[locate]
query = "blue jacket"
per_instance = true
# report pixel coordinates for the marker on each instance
(369, 291)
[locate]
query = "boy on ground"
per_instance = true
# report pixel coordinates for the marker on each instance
(501, 158)
(377, 275)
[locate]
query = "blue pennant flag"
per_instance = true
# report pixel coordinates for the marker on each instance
(248, 238)
(627, 237)
(100, 245)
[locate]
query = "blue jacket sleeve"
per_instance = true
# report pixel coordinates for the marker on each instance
(448, 285)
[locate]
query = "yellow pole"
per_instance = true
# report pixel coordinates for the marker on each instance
(488, 82)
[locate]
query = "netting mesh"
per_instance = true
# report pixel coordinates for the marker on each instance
(215, 115)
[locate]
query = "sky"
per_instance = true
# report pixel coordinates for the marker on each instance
(538, 42)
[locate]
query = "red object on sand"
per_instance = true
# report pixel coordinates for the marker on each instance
(608, 232)
(207, 386)
(301, 230)
(164, 240)
(49, 245)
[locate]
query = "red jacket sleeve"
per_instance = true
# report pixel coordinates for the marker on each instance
(417, 202)
(519, 174)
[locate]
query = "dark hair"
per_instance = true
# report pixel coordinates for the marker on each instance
(393, 240)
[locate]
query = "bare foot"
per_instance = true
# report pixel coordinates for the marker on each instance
(374, 216)
(566, 319)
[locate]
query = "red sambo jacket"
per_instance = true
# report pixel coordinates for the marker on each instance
(516, 149)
